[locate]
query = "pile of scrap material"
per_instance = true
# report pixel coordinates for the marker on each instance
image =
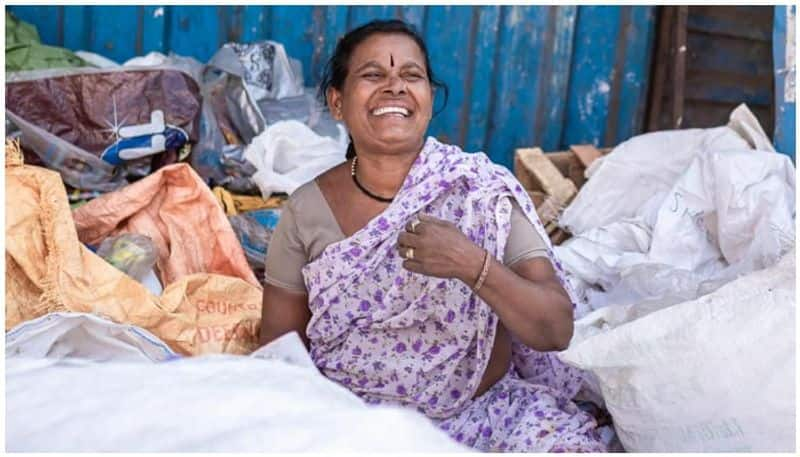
(682, 255)
(672, 215)
(667, 215)
(553, 180)
(211, 302)
(148, 191)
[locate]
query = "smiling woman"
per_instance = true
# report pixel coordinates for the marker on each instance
(424, 278)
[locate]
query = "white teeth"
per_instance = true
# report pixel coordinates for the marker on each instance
(390, 109)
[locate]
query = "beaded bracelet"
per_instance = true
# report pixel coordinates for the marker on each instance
(484, 272)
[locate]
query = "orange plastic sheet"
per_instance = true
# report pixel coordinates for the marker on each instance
(48, 269)
(175, 208)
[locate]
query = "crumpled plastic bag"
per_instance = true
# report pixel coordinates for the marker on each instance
(715, 374)
(229, 120)
(134, 255)
(650, 164)
(20, 32)
(246, 88)
(130, 253)
(254, 230)
(289, 154)
(305, 108)
(729, 212)
(729, 207)
(107, 133)
(239, 76)
(217, 154)
(180, 214)
(267, 70)
(49, 270)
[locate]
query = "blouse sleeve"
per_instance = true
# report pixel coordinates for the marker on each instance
(524, 242)
(286, 255)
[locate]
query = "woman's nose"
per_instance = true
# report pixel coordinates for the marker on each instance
(396, 85)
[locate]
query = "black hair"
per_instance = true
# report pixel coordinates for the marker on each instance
(335, 70)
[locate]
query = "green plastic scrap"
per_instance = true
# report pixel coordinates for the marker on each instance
(24, 50)
(20, 32)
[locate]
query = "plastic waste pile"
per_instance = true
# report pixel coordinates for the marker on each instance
(686, 326)
(238, 123)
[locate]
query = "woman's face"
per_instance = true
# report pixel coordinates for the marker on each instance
(386, 101)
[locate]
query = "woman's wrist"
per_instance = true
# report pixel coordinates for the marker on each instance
(472, 266)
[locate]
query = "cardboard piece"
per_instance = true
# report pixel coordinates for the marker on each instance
(542, 173)
(553, 180)
(586, 153)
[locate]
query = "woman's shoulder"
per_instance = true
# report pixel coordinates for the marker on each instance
(304, 192)
(311, 192)
(304, 198)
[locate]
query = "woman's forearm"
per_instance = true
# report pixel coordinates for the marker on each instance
(537, 312)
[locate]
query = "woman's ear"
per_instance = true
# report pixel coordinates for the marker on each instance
(334, 98)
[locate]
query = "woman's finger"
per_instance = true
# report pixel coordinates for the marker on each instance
(406, 239)
(413, 225)
(408, 253)
(414, 266)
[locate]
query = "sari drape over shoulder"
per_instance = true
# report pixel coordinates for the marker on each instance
(393, 336)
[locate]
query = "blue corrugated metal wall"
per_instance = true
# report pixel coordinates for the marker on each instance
(518, 75)
(785, 101)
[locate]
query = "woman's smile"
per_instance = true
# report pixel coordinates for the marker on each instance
(391, 111)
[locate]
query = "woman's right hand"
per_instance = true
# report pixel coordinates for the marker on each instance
(436, 247)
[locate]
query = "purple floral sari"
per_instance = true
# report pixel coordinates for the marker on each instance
(397, 337)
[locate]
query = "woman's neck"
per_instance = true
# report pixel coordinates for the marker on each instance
(384, 174)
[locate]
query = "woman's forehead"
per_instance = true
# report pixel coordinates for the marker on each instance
(382, 47)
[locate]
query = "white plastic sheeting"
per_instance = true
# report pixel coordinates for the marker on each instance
(272, 401)
(670, 216)
(289, 154)
(714, 374)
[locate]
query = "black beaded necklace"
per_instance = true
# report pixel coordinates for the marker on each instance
(362, 188)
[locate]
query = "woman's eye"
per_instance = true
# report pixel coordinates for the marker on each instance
(413, 77)
(372, 75)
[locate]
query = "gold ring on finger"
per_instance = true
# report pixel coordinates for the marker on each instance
(414, 225)
(410, 254)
